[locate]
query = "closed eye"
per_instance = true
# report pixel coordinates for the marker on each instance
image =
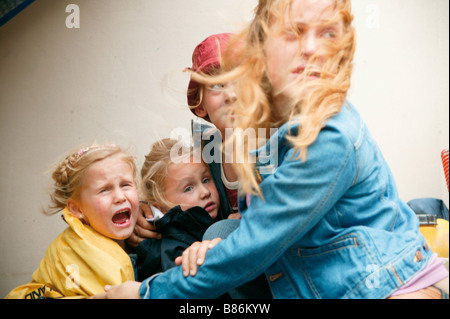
(129, 184)
(103, 190)
(290, 35)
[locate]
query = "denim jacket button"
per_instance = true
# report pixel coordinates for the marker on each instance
(419, 256)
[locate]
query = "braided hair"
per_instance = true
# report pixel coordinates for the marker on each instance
(68, 175)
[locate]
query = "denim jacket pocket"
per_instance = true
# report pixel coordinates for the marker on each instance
(326, 268)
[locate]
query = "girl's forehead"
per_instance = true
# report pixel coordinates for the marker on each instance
(109, 166)
(190, 167)
(306, 11)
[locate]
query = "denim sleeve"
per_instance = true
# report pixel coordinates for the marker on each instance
(296, 197)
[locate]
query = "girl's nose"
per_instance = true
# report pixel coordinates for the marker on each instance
(309, 44)
(119, 196)
(204, 192)
(230, 94)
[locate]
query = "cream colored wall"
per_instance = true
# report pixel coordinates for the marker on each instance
(118, 78)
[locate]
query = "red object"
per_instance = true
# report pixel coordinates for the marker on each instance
(206, 58)
(444, 156)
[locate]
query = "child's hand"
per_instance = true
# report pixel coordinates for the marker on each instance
(143, 228)
(195, 255)
(127, 290)
(235, 216)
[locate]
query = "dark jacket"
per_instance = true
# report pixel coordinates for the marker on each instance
(179, 230)
(207, 135)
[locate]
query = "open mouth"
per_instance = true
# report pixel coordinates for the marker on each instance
(122, 217)
(210, 206)
(314, 74)
(309, 74)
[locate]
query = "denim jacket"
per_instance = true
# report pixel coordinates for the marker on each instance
(332, 226)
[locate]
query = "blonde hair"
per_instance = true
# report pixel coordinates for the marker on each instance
(255, 96)
(155, 169)
(69, 175)
(199, 91)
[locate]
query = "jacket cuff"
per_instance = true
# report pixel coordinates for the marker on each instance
(144, 289)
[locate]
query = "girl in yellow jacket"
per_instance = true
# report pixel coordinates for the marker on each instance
(96, 187)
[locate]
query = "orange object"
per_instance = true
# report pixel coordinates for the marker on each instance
(436, 234)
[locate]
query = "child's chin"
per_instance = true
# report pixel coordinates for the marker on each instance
(213, 215)
(123, 234)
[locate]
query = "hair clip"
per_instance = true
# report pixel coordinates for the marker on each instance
(83, 151)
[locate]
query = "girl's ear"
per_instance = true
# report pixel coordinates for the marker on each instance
(200, 111)
(74, 208)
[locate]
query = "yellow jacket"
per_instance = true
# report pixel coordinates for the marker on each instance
(78, 263)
